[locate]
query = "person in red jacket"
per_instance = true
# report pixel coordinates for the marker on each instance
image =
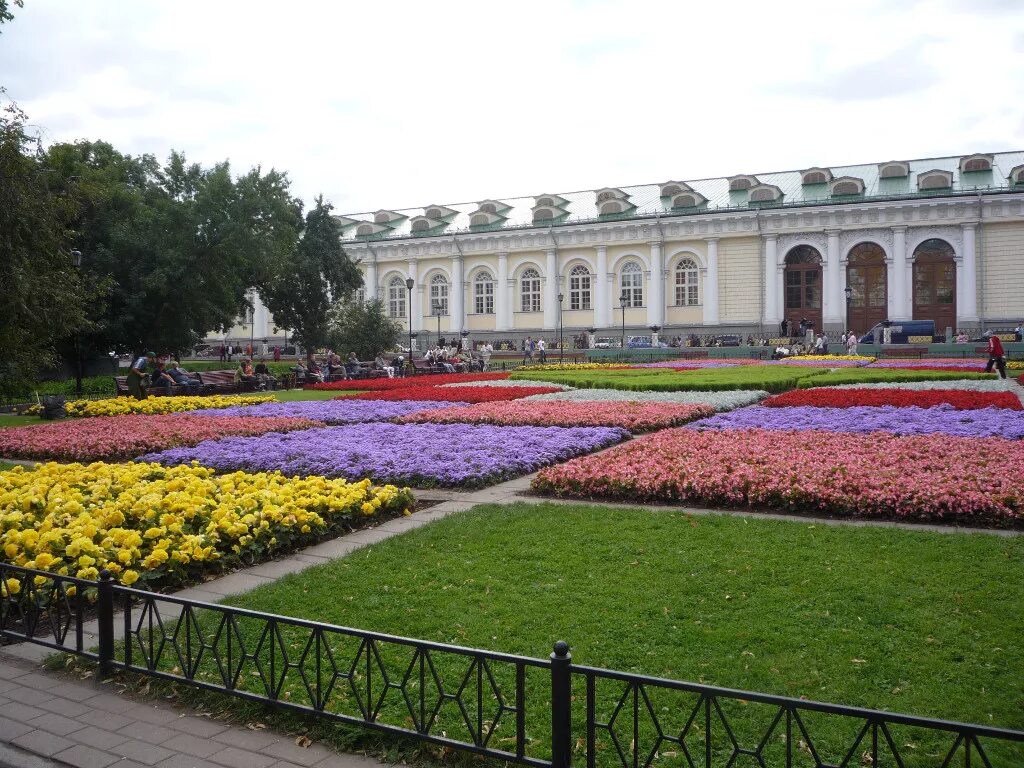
(996, 356)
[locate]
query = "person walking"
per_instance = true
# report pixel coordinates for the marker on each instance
(542, 351)
(996, 356)
(136, 375)
(528, 351)
(851, 344)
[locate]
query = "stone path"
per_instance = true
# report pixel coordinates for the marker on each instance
(48, 720)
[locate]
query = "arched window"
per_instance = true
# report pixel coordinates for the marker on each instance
(483, 293)
(529, 290)
(479, 220)
(439, 295)
(632, 284)
(396, 297)
(579, 287)
(687, 293)
(364, 229)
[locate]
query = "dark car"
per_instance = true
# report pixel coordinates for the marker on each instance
(728, 340)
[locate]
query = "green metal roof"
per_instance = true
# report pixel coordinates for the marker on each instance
(582, 207)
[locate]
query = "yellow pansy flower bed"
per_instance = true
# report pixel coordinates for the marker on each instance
(1015, 365)
(118, 406)
(166, 525)
(857, 358)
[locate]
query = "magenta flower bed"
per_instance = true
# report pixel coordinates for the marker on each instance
(421, 455)
(103, 438)
(346, 411)
(911, 420)
(924, 478)
(634, 416)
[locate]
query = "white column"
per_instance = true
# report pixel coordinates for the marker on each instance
(656, 288)
(899, 287)
(711, 284)
(551, 291)
(370, 279)
(771, 281)
(834, 304)
(602, 308)
(967, 285)
(455, 297)
(415, 313)
(503, 293)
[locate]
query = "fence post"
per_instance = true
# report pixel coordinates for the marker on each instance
(105, 619)
(561, 707)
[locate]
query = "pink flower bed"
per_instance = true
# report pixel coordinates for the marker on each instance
(832, 397)
(934, 364)
(972, 481)
(636, 417)
(106, 439)
(460, 394)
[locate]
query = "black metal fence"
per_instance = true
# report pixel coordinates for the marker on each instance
(537, 712)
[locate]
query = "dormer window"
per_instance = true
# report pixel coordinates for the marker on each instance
(688, 200)
(386, 217)
(894, 169)
(846, 185)
(492, 206)
(975, 163)
(543, 214)
(545, 201)
(673, 188)
(1017, 175)
(364, 229)
(488, 208)
(438, 212)
(765, 193)
(740, 183)
(815, 176)
(549, 207)
(420, 225)
(610, 193)
(609, 207)
(934, 179)
(549, 201)
(484, 219)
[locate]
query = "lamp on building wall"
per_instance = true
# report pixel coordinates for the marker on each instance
(849, 295)
(561, 351)
(409, 283)
(76, 262)
(622, 303)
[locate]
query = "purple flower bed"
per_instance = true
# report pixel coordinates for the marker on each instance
(421, 455)
(686, 364)
(943, 419)
(332, 411)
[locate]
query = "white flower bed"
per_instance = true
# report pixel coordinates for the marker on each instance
(720, 401)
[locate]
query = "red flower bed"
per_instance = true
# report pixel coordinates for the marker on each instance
(104, 439)
(831, 397)
(383, 385)
(455, 394)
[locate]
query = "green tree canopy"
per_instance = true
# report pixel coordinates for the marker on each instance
(363, 328)
(301, 292)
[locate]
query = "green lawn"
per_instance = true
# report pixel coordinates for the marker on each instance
(770, 378)
(887, 376)
(290, 395)
(923, 623)
(13, 420)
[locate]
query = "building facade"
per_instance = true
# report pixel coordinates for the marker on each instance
(940, 239)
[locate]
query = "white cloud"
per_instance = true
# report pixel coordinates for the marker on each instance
(403, 104)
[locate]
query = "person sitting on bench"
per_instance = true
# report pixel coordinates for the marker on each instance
(181, 377)
(245, 374)
(382, 365)
(352, 365)
(264, 375)
(161, 378)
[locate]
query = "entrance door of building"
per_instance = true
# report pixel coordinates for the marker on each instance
(866, 276)
(803, 287)
(935, 284)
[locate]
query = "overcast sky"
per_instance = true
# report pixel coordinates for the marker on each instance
(401, 104)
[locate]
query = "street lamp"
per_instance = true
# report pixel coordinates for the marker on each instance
(622, 303)
(849, 295)
(76, 262)
(436, 307)
(561, 351)
(409, 283)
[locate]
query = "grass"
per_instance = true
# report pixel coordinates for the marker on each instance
(915, 622)
(6, 465)
(887, 376)
(15, 420)
(770, 378)
(291, 395)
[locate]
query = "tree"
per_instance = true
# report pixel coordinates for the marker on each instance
(41, 295)
(182, 245)
(363, 328)
(299, 295)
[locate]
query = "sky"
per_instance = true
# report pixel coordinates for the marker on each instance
(403, 104)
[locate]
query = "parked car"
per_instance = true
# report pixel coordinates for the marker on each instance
(899, 332)
(639, 342)
(606, 342)
(727, 340)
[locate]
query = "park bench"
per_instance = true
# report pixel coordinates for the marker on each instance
(121, 388)
(421, 366)
(215, 382)
(367, 371)
(902, 351)
(694, 354)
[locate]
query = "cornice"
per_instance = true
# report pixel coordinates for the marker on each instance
(775, 221)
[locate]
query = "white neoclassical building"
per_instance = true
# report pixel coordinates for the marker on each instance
(939, 238)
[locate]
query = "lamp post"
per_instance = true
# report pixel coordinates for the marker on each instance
(622, 303)
(436, 307)
(76, 262)
(409, 283)
(561, 350)
(849, 295)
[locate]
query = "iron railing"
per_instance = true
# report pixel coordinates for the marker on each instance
(536, 712)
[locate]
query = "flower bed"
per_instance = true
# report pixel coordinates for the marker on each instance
(120, 406)
(98, 438)
(935, 478)
(634, 416)
(416, 454)
(689, 365)
(573, 367)
(147, 523)
(934, 363)
(984, 384)
(861, 359)
(835, 397)
(433, 379)
(943, 419)
(869, 375)
(344, 411)
(455, 394)
(720, 401)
